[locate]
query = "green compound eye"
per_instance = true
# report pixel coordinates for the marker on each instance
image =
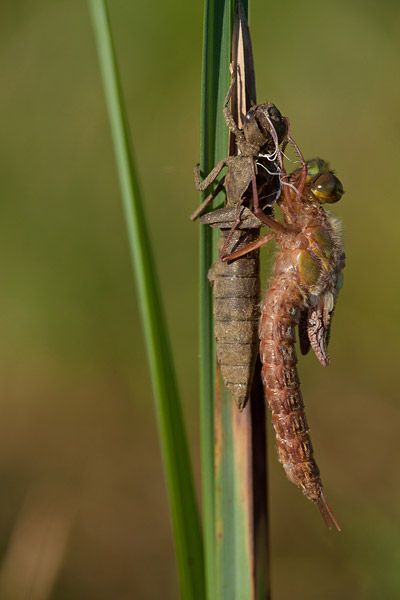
(316, 166)
(327, 188)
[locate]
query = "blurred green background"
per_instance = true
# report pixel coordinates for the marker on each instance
(83, 510)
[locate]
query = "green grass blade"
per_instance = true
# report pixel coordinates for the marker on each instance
(214, 145)
(182, 500)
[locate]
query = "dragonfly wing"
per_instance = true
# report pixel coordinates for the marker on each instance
(319, 320)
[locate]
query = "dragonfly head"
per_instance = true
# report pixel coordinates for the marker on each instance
(258, 125)
(324, 184)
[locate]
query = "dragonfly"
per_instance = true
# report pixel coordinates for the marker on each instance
(252, 185)
(306, 279)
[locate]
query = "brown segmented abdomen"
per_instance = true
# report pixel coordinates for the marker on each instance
(280, 313)
(236, 314)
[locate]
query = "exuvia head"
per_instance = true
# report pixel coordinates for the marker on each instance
(257, 126)
(325, 186)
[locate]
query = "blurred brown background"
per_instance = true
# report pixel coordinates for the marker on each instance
(83, 510)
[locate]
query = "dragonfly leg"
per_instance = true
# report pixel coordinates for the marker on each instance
(199, 210)
(267, 220)
(234, 226)
(203, 185)
(303, 177)
(229, 120)
(249, 248)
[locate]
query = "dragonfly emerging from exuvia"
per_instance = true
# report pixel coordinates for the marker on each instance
(307, 276)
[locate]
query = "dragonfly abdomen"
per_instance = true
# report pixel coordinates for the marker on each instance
(280, 314)
(236, 315)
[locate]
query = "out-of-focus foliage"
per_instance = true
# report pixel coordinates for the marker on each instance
(77, 437)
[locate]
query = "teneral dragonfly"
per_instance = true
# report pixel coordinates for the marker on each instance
(306, 280)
